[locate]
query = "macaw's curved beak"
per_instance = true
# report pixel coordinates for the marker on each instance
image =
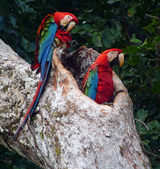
(119, 60)
(70, 26)
(67, 23)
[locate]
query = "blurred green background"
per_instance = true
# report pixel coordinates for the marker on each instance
(131, 25)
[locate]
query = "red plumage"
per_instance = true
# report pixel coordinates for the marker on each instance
(105, 88)
(63, 36)
(60, 15)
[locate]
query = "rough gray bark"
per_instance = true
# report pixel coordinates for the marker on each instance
(69, 129)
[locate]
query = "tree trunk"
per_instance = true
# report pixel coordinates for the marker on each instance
(68, 130)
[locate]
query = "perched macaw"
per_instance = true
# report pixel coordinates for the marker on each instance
(53, 31)
(98, 83)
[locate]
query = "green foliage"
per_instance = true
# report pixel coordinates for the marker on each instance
(11, 160)
(131, 25)
(96, 30)
(143, 82)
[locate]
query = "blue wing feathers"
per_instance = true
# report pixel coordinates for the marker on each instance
(46, 35)
(46, 75)
(45, 52)
(46, 39)
(47, 57)
(91, 84)
(45, 44)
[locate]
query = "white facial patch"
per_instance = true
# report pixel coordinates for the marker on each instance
(112, 55)
(65, 20)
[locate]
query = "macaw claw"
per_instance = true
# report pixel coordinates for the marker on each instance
(108, 104)
(119, 91)
(73, 43)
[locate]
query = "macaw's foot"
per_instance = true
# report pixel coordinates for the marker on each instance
(73, 43)
(119, 91)
(108, 104)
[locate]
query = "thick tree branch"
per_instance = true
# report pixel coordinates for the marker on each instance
(69, 130)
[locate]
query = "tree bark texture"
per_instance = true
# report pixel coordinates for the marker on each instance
(68, 130)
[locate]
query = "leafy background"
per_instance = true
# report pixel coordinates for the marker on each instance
(131, 25)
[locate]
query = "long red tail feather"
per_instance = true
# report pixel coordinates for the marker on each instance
(33, 104)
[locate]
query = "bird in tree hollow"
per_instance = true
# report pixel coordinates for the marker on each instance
(53, 31)
(98, 83)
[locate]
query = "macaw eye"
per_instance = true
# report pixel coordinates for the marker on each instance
(111, 52)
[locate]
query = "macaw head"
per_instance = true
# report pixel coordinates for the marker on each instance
(66, 21)
(115, 57)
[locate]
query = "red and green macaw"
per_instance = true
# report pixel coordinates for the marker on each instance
(98, 83)
(53, 31)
